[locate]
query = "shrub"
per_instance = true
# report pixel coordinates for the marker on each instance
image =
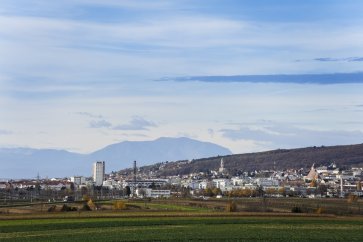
(91, 204)
(52, 208)
(86, 198)
(352, 198)
(296, 209)
(118, 205)
(65, 208)
(320, 210)
(231, 206)
(85, 208)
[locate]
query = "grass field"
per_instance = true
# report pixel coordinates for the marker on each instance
(184, 229)
(185, 220)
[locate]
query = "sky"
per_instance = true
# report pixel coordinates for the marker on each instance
(82, 74)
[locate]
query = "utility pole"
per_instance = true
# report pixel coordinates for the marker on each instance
(135, 170)
(37, 187)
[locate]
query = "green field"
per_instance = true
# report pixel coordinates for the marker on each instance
(185, 220)
(200, 228)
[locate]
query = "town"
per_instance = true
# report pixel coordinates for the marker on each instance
(318, 182)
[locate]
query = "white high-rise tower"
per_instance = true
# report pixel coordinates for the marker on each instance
(99, 172)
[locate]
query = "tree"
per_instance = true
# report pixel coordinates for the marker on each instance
(216, 191)
(185, 192)
(141, 192)
(91, 204)
(260, 192)
(118, 205)
(128, 191)
(313, 183)
(208, 192)
(84, 191)
(282, 191)
(231, 206)
(322, 189)
(359, 186)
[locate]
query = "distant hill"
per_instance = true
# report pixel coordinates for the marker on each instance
(342, 156)
(26, 163)
(149, 152)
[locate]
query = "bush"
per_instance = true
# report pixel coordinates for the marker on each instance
(118, 205)
(86, 198)
(352, 198)
(296, 209)
(52, 208)
(231, 207)
(85, 207)
(320, 210)
(91, 204)
(66, 208)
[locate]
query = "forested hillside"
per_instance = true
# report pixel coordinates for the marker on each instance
(342, 156)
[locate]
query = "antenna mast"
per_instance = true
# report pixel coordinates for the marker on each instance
(135, 170)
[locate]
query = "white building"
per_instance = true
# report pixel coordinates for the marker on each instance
(267, 182)
(148, 192)
(111, 184)
(99, 172)
(204, 184)
(78, 180)
(237, 181)
(145, 183)
(221, 183)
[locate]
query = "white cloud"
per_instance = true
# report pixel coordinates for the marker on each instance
(90, 115)
(56, 61)
(136, 123)
(288, 136)
(100, 124)
(74, 51)
(5, 132)
(129, 4)
(178, 31)
(211, 132)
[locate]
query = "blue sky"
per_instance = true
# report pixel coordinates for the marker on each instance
(79, 75)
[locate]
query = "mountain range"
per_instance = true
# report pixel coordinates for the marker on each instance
(28, 163)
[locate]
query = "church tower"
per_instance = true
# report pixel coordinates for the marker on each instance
(221, 168)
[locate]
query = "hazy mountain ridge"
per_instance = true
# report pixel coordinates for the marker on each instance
(27, 162)
(149, 152)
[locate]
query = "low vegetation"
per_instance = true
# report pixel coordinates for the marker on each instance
(333, 206)
(199, 228)
(245, 219)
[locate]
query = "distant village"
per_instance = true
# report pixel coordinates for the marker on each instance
(318, 182)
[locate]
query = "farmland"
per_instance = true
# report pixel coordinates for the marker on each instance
(200, 228)
(179, 220)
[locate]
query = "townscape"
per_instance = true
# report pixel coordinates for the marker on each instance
(318, 182)
(183, 120)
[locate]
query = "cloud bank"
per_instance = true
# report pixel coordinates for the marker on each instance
(333, 78)
(289, 136)
(136, 123)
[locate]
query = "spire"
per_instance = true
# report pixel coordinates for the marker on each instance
(312, 173)
(221, 168)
